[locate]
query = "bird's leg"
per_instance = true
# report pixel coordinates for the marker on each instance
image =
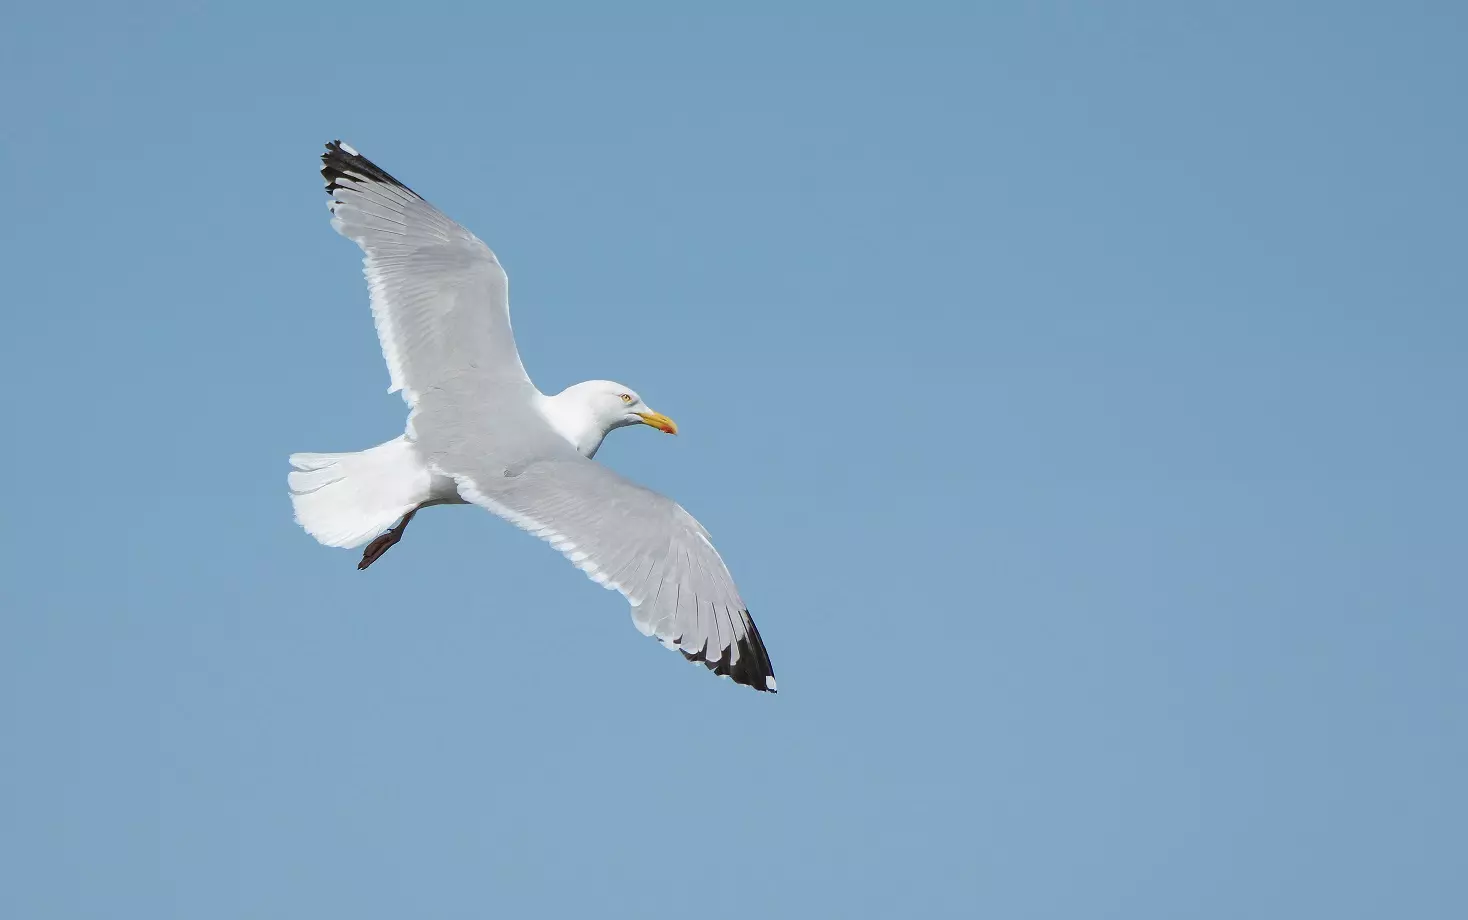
(385, 542)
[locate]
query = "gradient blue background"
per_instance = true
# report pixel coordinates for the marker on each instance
(1077, 391)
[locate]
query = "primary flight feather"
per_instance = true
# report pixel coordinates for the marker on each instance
(479, 432)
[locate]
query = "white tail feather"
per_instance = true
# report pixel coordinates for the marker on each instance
(347, 499)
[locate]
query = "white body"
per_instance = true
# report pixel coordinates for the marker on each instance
(347, 499)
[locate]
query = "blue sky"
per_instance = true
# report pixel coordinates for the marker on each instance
(1076, 391)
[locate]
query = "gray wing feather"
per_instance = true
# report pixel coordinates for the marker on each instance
(440, 299)
(623, 536)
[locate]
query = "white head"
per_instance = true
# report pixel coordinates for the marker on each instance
(584, 413)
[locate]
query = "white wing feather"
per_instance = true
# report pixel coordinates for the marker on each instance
(440, 299)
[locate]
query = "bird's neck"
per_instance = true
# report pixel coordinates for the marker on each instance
(574, 421)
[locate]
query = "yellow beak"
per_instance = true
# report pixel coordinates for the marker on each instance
(659, 421)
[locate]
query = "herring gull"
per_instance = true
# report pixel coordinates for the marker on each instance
(479, 432)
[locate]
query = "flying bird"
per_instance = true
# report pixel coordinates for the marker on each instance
(480, 433)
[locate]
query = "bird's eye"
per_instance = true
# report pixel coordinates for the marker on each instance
(626, 397)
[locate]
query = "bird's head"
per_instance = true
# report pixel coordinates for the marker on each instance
(617, 406)
(584, 413)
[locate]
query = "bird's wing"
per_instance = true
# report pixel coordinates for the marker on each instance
(623, 536)
(633, 540)
(440, 299)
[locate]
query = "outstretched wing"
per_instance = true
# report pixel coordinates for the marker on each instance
(505, 458)
(439, 296)
(635, 541)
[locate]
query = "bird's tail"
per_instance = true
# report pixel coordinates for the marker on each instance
(347, 499)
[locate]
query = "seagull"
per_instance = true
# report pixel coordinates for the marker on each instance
(480, 433)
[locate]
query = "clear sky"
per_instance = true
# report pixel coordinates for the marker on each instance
(1076, 391)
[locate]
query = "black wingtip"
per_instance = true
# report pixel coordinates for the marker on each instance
(341, 161)
(753, 668)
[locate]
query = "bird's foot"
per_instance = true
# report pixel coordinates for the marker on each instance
(385, 542)
(380, 546)
(377, 547)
